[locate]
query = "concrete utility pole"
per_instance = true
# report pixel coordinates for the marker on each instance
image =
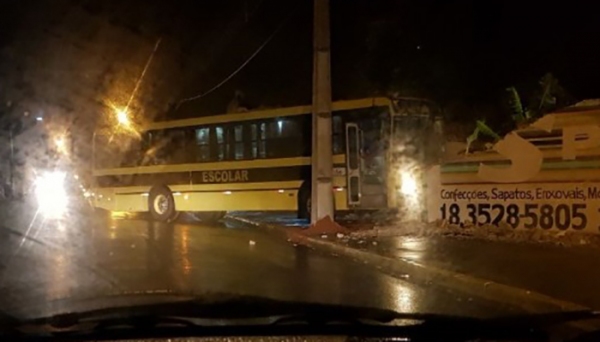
(322, 164)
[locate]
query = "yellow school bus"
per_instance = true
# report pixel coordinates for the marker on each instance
(260, 160)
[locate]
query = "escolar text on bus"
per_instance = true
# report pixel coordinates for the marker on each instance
(225, 176)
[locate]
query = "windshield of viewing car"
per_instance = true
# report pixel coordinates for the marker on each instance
(422, 157)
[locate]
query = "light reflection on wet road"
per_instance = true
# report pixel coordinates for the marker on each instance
(135, 256)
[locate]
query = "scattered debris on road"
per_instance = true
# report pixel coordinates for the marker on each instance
(484, 232)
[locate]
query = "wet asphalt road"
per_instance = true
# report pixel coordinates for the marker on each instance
(89, 263)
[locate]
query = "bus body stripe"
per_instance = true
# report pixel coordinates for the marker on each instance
(339, 160)
(273, 174)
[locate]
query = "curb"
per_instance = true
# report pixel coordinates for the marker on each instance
(425, 274)
(270, 228)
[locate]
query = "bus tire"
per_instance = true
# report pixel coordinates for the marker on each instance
(210, 216)
(161, 203)
(304, 199)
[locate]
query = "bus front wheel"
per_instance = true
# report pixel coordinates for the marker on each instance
(304, 200)
(161, 203)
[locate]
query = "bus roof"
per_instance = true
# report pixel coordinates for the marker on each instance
(266, 113)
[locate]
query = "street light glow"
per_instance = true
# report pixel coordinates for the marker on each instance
(121, 121)
(61, 144)
(123, 118)
(51, 194)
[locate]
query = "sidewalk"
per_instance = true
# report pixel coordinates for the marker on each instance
(538, 276)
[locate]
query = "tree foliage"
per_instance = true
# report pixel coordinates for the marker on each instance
(549, 96)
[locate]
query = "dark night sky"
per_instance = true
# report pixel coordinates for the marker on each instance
(452, 51)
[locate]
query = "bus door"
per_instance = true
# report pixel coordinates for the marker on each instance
(365, 163)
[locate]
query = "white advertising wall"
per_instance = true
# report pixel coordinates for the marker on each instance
(523, 185)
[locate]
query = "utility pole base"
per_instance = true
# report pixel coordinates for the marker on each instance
(325, 206)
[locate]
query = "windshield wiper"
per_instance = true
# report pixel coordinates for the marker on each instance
(250, 316)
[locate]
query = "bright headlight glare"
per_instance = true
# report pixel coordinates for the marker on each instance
(408, 185)
(51, 194)
(410, 190)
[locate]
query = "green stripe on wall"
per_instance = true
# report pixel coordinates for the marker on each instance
(558, 165)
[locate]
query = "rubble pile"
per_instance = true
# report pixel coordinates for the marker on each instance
(484, 232)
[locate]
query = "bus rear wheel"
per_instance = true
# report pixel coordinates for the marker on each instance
(304, 200)
(210, 216)
(161, 204)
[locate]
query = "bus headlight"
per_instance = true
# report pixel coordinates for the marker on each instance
(51, 194)
(408, 185)
(410, 191)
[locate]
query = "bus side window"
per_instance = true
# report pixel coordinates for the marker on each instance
(220, 134)
(238, 134)
(285, 138)
(176, 147)
(160, 148)
(337, 128)
(273, 144)
(203, 144)
(262, 145)
(306, 132)
(254, 140)
(229, 143)
(257, 138)
(292, 133)
(247, 145)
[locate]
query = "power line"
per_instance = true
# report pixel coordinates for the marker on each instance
(232, 29)
(139, 81)
(240, 67)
